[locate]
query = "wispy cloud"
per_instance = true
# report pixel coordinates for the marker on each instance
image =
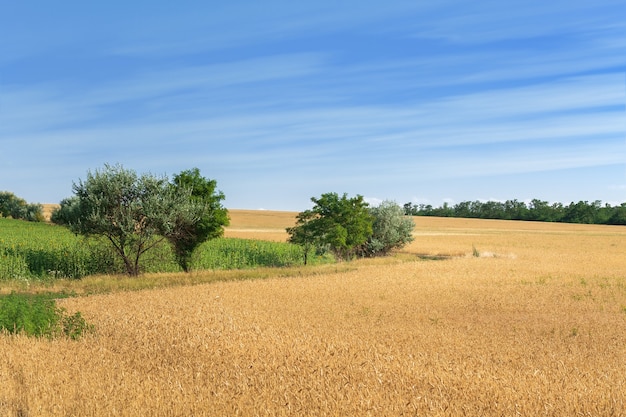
(494, 21)
(326, 95)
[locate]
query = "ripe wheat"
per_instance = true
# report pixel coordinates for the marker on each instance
(535, 328)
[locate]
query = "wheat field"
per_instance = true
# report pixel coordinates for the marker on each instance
(474, 318)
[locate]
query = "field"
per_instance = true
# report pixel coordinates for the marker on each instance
(476, 317)
(31, 252)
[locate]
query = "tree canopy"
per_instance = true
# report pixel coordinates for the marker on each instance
(536, 210)
(135, 213)
(18, 208)
(211, 218)
(340, 224)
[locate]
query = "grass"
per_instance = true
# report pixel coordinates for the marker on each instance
(502, 335)
(106, 284)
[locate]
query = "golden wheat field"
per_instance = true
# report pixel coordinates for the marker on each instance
(474, 318)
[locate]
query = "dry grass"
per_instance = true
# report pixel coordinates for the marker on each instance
(535, 326)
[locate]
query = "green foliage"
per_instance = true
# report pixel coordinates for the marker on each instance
(207, 220)
(38, 315)
(40, 251)
(536, 210)
(74, 326)
(134, 213)
(43, 251)
(67, 212)
(391, 229)
(618, 216)
(18, 208)
(340, 224)
(303, 233)
(230, 253)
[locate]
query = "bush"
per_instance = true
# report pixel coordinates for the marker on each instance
(340, 224)
(38, 315)
(391, 229)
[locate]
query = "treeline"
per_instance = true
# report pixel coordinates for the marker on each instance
(537, 210)
(18, 208)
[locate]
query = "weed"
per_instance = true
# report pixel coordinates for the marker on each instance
(38, 315)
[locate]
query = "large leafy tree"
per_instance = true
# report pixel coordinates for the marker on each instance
(340, 224)
(208, 219)
(134, 213)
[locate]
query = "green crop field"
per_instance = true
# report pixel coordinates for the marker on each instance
(37, 251)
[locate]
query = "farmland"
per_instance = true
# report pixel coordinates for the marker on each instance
(36, 251)
(475, 317)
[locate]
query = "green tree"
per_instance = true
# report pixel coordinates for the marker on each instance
(391, 230)
(207, 220)
(618, 216)
(67, 211)
(18, 208)
(340, 224)
(303, 233)
(134, 213)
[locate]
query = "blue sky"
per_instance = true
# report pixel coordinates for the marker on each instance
(280, 101)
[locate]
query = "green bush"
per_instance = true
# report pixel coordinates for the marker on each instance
(391, 230)
(38, 315)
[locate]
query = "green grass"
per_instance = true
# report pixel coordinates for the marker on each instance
(43, 252)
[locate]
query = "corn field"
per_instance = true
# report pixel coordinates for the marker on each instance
(41, 251)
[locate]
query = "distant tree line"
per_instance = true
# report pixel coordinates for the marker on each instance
(17, 208)
(537, 210)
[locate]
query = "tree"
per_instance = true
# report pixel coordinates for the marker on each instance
(190, 232)
(581, 212)
(134, 213)
(392, 229)
(619, 215)
(341, 224)
(303, 232)
(67, 211)
(18, 208)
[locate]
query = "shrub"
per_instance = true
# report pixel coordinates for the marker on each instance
(391, 229)
(38, 315)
